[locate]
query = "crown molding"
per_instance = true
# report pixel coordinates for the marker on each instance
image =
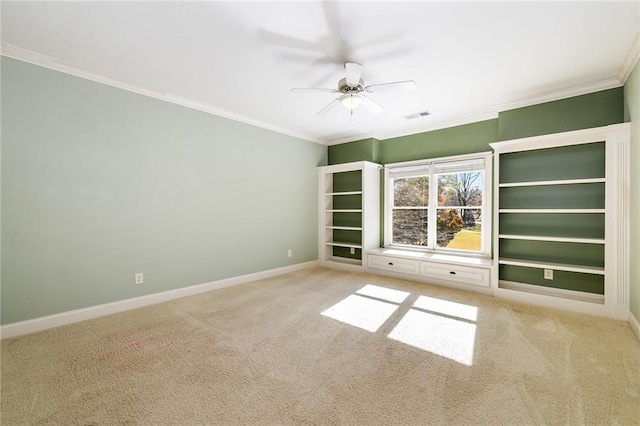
(44, 61)
(24, 55)
(560, 94)
(630, 61)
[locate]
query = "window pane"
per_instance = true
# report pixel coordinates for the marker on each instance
(411, 192)
(460, 229)
(460, 189)
(410, 227)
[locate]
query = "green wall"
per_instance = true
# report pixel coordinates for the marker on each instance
(474, 137)
(100, 183)
(632, 114)
(580, 112)
(362, 150)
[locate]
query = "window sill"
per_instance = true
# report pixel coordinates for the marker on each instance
(446, 258)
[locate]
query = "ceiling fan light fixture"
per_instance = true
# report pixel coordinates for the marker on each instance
(350, 101)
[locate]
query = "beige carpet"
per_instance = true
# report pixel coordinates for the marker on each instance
(326, 347)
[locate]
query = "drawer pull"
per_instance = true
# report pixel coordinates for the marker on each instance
(391, 263)
(452, 272)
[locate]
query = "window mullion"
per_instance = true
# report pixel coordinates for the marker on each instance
(432, 230)
(388, 208)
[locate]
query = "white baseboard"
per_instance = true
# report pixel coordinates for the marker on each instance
(635, 325)
(69, 317)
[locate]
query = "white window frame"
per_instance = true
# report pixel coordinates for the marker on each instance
(431, 164)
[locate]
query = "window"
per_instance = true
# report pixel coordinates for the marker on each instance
(439, 204)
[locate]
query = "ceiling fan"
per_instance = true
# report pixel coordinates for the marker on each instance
(352, 90)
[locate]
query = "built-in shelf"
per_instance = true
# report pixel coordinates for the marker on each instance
(344, 260)
(348, 209)
(549, 265)
(344, 211)
(580, 296)
(552, 182)
(587, 169)
(345, 193)
(339, 244)
(551, 210)
(552, 239)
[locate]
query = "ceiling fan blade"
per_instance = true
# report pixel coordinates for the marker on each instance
(371, 105)
(329, 107)
(353, 73)
(388, 87)
(313, 90)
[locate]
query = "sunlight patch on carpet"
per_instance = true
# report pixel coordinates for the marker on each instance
(435, 325)
(384, 293)
(445, 307)
(361, 312)
(441, 335)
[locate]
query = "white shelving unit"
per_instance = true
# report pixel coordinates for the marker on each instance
(551, 210)
(348, 217)
(615, 272)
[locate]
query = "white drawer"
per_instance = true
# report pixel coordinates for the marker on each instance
(393, 264)
(462, 274)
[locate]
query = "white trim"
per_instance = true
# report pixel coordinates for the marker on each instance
(634, 324)
(346, 167)
(557, 95)
(569, 211)
(348, 265)
(548, 301)
(574, 137)
(630, 61)
(552, 239)
(552, 182)
(452, 158)
(69, 317)
(618, 195)
(572, 295)
(595, 270)
(34, 58)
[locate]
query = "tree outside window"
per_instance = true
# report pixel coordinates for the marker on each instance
(460, 211)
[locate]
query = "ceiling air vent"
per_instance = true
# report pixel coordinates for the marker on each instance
(417, 115)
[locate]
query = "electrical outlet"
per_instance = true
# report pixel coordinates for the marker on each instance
(290, 253)
(139, 278)
(548, 274)
(352, 251)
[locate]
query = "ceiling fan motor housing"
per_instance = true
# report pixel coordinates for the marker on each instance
(344, 87)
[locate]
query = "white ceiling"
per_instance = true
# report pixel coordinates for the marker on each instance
(240, 59)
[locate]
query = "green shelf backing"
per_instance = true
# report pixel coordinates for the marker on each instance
(553, 252)
(563, 280)
(569, 225)
(347, 201)
(345, 252)
(347, 181)
(347, 236)
(578, 196)
(568, 162)
(347, 219)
